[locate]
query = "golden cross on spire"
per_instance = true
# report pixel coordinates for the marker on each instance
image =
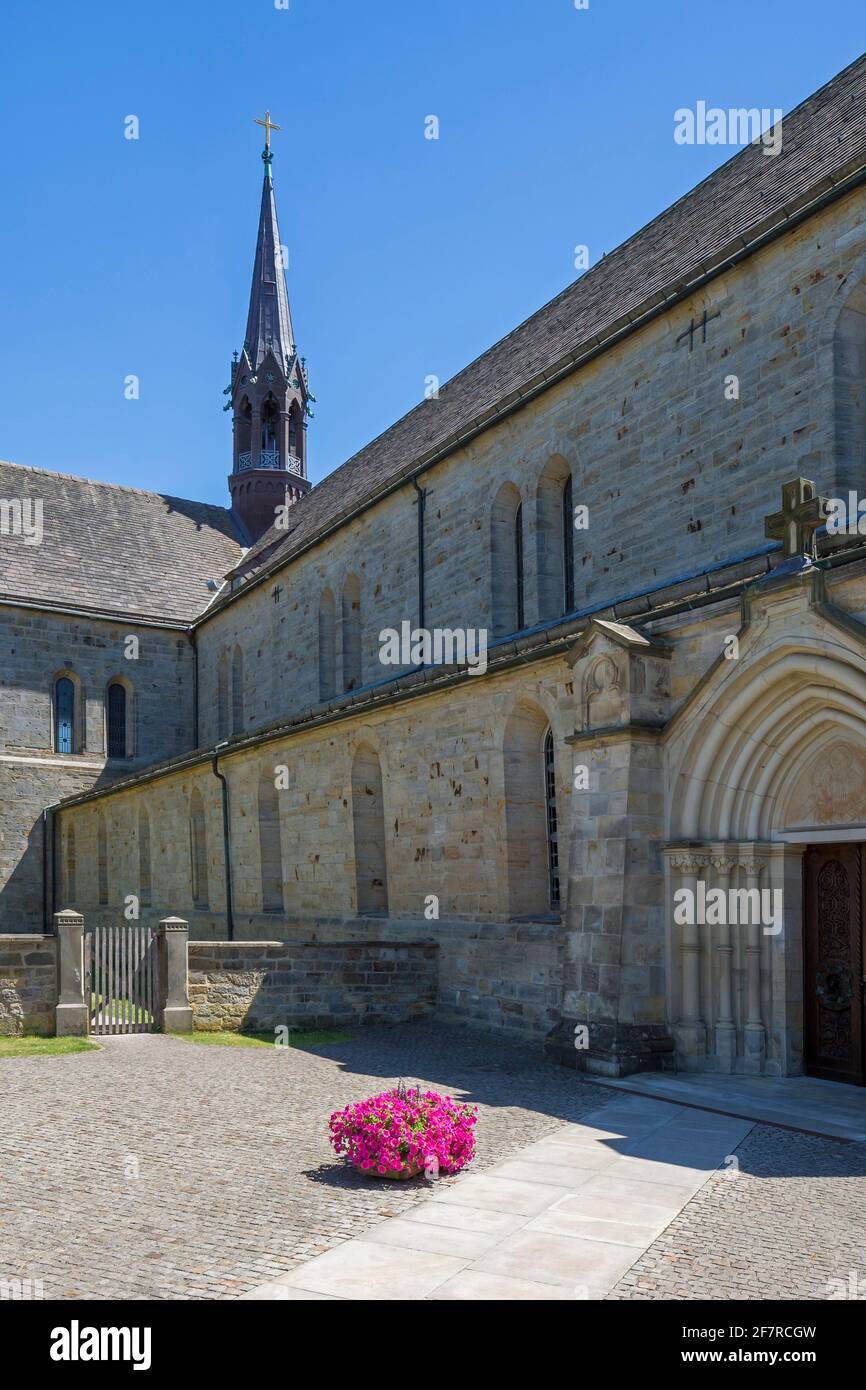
(269, 126)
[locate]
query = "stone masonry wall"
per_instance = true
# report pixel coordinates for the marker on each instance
(259, 985)
(36, 647)
(28, 984)
(677, 474)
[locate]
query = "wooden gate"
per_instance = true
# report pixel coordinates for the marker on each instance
(122, 978)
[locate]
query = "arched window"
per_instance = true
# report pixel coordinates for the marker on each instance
(143, 857)
(555, 540)
(296, 432)
(527, 825)
(568, 544)
(552, 839)
(518, 566)
(368, 818)
(223, 723)
(270, 418)
(198, 850)
(116, 720)
(102, 858)
(243, 430)
(238, 691)
(70, 866)
(351, 633)
(506, 562)
(270, 844)
(327, 646)
(65, 732)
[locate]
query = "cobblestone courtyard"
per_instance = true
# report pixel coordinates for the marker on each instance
(156, 1168)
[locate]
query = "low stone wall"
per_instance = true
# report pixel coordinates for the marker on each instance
(502, 977)
(28, 984)
(258, 985)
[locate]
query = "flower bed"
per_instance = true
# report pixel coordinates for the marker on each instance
(400, 1132)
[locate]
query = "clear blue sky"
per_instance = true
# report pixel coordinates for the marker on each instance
(408, 256)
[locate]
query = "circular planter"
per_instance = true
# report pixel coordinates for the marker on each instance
(411, 1172)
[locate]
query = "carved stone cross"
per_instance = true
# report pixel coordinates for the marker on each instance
(803, 511)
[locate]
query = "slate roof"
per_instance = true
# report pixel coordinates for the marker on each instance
(114, 549)
(824, 139)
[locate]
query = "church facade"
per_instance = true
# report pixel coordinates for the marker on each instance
(635, 832)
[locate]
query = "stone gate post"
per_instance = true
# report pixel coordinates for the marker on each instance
(174, 1014)
(72, 1014)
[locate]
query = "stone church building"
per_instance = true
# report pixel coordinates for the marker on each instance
(627, 494)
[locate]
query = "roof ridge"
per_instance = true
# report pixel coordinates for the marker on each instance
(115, 487)
(546, 311)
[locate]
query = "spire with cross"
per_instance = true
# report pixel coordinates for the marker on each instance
(269, 390)
(803, 511)
(269, 126)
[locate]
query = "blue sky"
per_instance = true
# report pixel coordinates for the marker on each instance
(408, 256)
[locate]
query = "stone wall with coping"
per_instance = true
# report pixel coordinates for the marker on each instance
(239, 986)
(28, 984)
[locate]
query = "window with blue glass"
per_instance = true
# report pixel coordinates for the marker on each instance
(64, 716)
(116, 721)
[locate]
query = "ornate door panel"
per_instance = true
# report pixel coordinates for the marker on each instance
(833, 985)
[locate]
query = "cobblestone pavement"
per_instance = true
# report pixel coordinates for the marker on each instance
(791, 1221)
(158, 1168)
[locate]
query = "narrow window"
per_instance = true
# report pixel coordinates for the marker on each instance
(506, 562)
(64, 716)
(550, 801)
(351, 633)
(116, 720)
(518, 566)
(568, 545)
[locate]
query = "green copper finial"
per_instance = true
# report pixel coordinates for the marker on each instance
(268, 124)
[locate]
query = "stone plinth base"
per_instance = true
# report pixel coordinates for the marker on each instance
(617, 1049)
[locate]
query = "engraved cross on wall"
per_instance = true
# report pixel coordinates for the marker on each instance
(803, 511)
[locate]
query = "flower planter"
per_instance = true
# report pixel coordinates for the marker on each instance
(402, 1176)
(401, 1133)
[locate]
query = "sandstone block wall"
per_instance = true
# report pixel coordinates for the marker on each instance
(28, 984)
(677, 475)
(37, 647)
(258, 986)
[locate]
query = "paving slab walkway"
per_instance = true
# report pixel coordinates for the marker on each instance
(795, 1102)
(564, 1218)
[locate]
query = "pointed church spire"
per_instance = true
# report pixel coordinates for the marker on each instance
(269, 390)
(269, 321)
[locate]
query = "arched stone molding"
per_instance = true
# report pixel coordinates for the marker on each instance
(740, 744)
(758, 761)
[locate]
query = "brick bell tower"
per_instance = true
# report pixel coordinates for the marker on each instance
(269, 390)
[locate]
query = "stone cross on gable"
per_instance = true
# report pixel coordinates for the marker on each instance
(803, 511)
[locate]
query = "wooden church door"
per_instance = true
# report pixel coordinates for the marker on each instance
(834, 962)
